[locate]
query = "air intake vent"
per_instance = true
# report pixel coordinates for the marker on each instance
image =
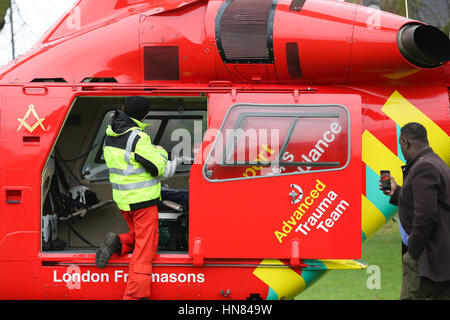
(244, 31)
(293, 60)
(99, 80)
(161, 63)
(297, 5)
(48, 80)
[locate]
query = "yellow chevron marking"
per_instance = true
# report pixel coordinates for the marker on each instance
(343, 264)
(378, 157)
(401, 111)
(371, 219)
(284, 281)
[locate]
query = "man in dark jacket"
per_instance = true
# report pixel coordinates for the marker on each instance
(424, 213)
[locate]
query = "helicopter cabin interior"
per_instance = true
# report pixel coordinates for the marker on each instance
(76, 206)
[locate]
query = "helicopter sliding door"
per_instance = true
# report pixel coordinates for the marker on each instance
(278, 178)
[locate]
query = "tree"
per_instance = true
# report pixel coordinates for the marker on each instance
(433, 12)
(4, 5)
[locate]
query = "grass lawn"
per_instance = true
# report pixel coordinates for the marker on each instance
(383, 249)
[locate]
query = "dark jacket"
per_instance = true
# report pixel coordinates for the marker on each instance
(424, 211)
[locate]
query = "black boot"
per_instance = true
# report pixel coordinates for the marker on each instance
(111, 244)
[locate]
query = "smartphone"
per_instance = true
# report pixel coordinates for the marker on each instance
(385, 180)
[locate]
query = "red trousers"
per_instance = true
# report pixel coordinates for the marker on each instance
(142, 240)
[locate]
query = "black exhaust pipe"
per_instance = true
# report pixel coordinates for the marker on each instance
(424, 46)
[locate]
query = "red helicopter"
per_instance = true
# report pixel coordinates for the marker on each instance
(282, 111)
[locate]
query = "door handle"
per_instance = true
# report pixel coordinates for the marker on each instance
(293, 194)
(296, 194)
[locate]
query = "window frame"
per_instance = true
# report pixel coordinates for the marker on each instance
(285, 143)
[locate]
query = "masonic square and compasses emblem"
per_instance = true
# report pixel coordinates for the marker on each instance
(31, 112)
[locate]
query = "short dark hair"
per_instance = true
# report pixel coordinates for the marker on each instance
(415, 131)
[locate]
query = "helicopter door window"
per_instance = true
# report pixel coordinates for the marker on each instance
(257, 141)
(180, 135)
(322, 142)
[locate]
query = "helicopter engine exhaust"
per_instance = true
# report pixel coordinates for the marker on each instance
(423, 45)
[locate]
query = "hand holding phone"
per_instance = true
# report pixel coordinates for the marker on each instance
(385, 179)
(387, 183)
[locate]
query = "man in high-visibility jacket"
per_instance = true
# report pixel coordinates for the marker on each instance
(135, 168)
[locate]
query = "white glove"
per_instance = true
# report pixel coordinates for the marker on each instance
(169, 170)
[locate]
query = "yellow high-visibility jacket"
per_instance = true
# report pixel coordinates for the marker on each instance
(134, 163)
